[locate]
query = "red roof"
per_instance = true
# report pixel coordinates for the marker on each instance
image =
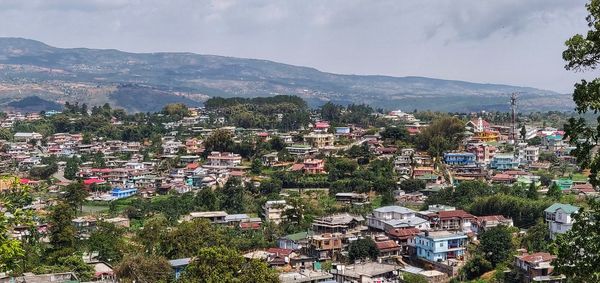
(92, 181)
(537, 257)
(263, 134)
(297, 167)
(192, 166)
(454, 214)
(321, 125)
(280, 251)
(250, 225)
(516, 172)
(402, 233)
(387, 245)
(502, 177)
(24, 181)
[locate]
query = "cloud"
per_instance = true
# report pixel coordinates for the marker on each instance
(486, 41)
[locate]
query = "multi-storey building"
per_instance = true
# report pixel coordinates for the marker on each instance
(558, 217)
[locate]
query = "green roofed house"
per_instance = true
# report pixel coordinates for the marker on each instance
(294, 241)
(558, 217)
(564, 183)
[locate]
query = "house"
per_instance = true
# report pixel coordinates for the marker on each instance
(269, 159)
(217, 217)
(391, 217)
(483, 152)
(273, 210)
(339, 223)
(223, 160)
(456, 220)
(300, 150)
(305, 275)
(403, 237)
(325, 246)
(367, 272)
(314, 166)
(387, 249)
(352, 198)
(294, 241)
(504, 161)
(319, 140)
(459, 158)
(119, 193)
(26, 137)
(439, 246)
(532, 154)
(483, 223)
(558, 217)
(537, 267)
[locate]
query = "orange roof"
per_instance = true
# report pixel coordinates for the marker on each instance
(192, 166)
(537, 257)
(404, 232)
(454, 214)
(297, 167)
(387, 245)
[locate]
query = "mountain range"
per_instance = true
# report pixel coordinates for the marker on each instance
(36, 76)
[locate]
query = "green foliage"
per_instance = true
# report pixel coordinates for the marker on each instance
(232, 196)
(68, 263)
(394, 133)
(524, 212)
(413, 278)
(222, 264)
(141, 268)
(536, 238)
(219, 140)
(62, 232)
(176, 110)
(554, 192)
(108, 241)
(256, 167)
(362, 249)
(496, 244)
(582, 53)
(532, 192)
(442, 135)
(75, 194)
(462, 195)
(475, 267)
(412, 185)
(576, 250)
(72, 168)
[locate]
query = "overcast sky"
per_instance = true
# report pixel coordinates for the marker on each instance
(506, 41)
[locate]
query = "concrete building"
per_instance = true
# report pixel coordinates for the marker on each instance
(440, 246)
(558, 217)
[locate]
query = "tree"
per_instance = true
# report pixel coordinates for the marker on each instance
(108, 241)
(536, 238)
(62, 232)
(554, 192)
(412, 185)
(72, 168)
(496, 244)
(256, 167)
(222, 264)
(141, 268)
(331, 112)
(394, 133)
(475, 267)
(277, 143)
(361, 249)
(75, 194)
(532, 192)
(442, 135)
(12, 200)
(155, 229)
(583, 54)
(232, 196)
(219, 140)
(523, 132)
(577, 250)
(413, 278)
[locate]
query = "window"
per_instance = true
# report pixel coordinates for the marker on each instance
(441, 244)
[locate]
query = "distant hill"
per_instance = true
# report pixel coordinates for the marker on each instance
(146, 81)
(32, 104)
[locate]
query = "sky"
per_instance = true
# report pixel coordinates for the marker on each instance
(516, 42)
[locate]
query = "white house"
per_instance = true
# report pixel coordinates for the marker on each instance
(390, 217)
(558, 217)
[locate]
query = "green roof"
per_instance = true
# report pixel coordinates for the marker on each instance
(298, 236)
(566, 207)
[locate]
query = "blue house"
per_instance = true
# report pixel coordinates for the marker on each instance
(504, 162)
(178, 265)
(459, 158)
(440, 245)
(119, 193)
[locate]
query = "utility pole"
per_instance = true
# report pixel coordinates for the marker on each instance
(513, 108)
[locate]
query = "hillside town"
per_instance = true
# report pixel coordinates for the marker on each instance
(334, 194)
